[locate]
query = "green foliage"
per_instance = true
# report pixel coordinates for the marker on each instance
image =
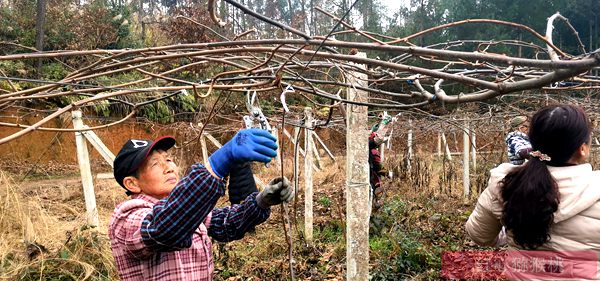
(103, 108)
(13, 68)
(17, 22)
(398, 250)
(329, 232)
(121, 21)
(406, 255)
(186, 102)
(53, 71)
(157, 111)
(324, 200)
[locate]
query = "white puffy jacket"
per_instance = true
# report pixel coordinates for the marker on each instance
(576, 222)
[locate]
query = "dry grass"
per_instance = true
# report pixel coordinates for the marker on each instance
(43, 234)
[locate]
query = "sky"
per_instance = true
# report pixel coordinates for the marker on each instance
(393, 5)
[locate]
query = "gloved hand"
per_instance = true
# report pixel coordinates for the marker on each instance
(386, 119)
(524, 153)
(276, 192)
(247, 145)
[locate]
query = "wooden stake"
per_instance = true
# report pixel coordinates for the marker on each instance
(203, 147)
(83, 158)
(213, 140)
(447, 150)
(474, 149)
(276, 160)
(324, 146)
(99, 146)
(409, 141)
(287, 134)
(308, 178)
(466, 145)
(315, 150)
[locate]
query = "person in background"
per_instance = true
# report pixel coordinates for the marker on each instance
(552, 202)
(376, 167)
(517, 141)
(163, 232)
(376, 171)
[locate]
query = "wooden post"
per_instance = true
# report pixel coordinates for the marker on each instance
(293, 140)
(315, 150)
(466, 145)
(203, 147)
(324, 146)
(409, 141)
(357, 182)
(276, 160)
(83, 158)
(474, 149)
(99, 146)
(382, 151)
(213, 140)
(447, 150)
(308, 178)
(439, 145)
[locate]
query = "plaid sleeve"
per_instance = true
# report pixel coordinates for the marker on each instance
(173, 220)
(232, 222)
(516, 142)
(520, 144)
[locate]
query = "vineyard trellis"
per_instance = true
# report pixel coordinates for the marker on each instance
(317, 67)
(269, 65)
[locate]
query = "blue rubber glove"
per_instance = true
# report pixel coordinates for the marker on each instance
(247, 145)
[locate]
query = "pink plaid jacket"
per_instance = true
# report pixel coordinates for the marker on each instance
(168, 239)
(136, 262)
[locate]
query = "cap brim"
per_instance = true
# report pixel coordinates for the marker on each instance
(162, 143)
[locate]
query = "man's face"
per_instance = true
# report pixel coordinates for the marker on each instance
(158, 174)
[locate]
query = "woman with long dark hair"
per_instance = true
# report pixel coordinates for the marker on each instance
(552, 201)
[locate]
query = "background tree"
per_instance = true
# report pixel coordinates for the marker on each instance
(39, 29)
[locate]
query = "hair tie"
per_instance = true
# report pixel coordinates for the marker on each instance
(539, 155)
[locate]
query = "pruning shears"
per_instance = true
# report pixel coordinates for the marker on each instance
(255, 114)
(255, 118)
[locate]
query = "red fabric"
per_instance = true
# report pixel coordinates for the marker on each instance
(375, 167)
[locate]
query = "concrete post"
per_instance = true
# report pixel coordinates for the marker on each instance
(357, 181)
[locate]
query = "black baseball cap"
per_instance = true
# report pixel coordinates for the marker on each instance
(134, 152)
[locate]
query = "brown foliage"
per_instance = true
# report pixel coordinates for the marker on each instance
(181, 30)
